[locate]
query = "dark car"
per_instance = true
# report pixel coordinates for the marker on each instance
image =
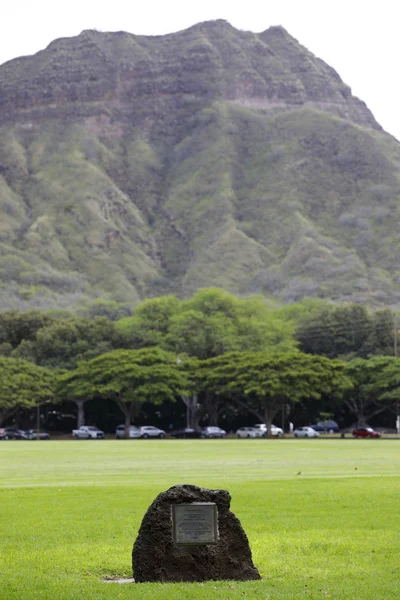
(10, 433)
(32, 434)
(213, 432)
(328, 426)
(366, 432)
(186, 432)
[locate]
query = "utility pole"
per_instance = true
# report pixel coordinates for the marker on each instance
(395, 336)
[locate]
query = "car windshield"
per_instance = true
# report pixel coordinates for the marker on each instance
(92, 428)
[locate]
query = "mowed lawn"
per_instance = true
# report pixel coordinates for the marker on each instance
(322, 516)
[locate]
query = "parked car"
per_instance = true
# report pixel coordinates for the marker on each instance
(134, 432)
(328, 426)
(148, 431)
(11, 433)
(88, 432)
(249, 432)
(213, 432)
(186, 432)
(307, 432)
(275, 431)
(365, 432)
(33, 434)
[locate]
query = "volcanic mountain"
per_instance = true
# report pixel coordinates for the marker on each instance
(134, 166)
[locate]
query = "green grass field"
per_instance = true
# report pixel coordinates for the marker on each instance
(70, 512)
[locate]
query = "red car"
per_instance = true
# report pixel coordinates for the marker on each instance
(367, 432)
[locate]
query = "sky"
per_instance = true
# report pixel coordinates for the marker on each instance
(360, 39)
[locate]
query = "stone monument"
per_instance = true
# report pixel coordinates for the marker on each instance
(189, 534)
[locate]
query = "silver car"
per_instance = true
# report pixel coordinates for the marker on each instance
(249, 432)
(148, 431)
(306, 432)
(134, 432)
(275, 431)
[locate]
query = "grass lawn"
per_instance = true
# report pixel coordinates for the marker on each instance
(322, 516)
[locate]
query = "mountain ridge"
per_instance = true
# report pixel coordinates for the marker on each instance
(132, 166)
(286, 56)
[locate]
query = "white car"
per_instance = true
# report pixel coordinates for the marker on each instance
(307, 432)
(134, 432)
(148, 431)
(275, 431)
(249, 432)
(87, 432)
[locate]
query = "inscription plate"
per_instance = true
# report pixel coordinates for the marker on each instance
(195, 523)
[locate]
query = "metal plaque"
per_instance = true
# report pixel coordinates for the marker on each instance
(195, 523)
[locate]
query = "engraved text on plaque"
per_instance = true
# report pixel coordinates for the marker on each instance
(195, 523)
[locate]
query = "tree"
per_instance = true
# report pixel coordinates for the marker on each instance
(371, 379)
(263, 382)
(23, 385)
(16, 326)
(100, 307)
(214, 322)
(211, 323)
(129, 377)
(388, 385)
(347, 332)
(65, 342)
(150, 323)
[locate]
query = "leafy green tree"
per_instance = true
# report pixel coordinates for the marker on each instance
(214, 322)
(17, 326)
(129, 377)
(100, 307)
(23, 385)
(65, 342)
(262, 382)
(388, 386)
(347, 332)
(371, 380)
(150, 323)
(302, 311)
(211, 323)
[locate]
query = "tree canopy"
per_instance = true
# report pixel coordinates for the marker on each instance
(375, 386)
(263, 382)
(347, 332)
(129, 377)
(23, 385)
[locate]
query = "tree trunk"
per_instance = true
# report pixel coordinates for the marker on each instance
(192, 420)
(81, 412)
(269, 413)
(194, 414)
(211, 406)
(127, 424)
(361, 420)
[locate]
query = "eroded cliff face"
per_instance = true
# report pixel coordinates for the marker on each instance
(134, 166)
(118, 75)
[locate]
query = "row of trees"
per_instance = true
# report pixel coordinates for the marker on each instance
(216, 352)
(258, 383)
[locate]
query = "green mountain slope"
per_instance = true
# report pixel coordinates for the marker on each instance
(134, 166)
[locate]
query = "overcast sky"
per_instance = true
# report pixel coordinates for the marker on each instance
(358, 38)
